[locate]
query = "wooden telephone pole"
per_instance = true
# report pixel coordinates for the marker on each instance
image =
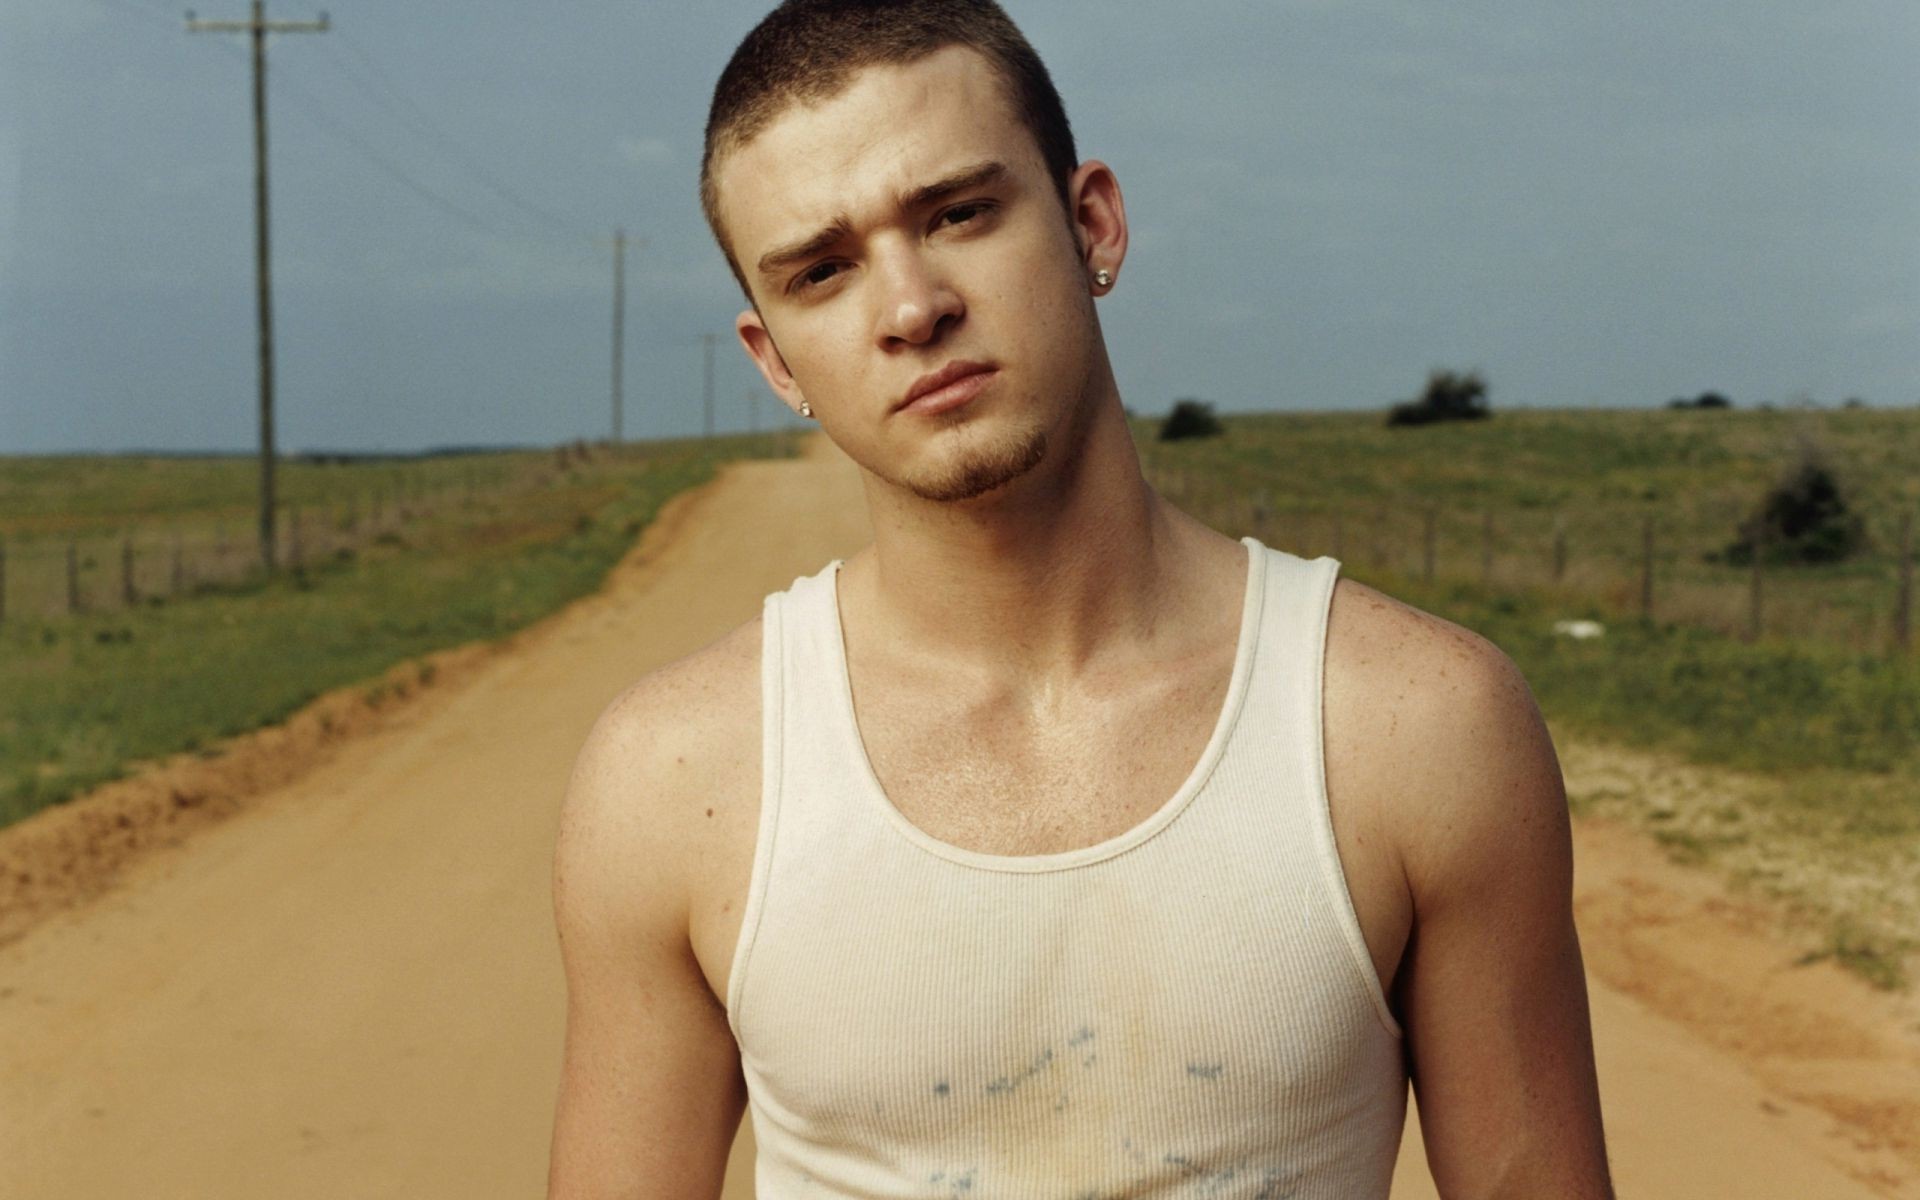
(619, 320)
(259, 27)
(706, 385)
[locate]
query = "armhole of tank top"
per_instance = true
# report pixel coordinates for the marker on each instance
(1329, 846)
(772, 689)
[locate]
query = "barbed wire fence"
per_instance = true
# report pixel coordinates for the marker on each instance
(1657, 565)
(156, 561)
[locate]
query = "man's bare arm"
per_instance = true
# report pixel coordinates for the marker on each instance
(1491, 990)
(651, 1091)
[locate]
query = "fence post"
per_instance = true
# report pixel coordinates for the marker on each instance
(179, 568)
(1486, 548)
(1427, 545)
(1759, 547)
(1903, 600)
(3, 581)
(1646, 568)
(127, 591)
(73, 577)
(1559, 546)
(1339, 536)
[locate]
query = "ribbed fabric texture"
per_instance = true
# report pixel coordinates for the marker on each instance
(1187, 1009)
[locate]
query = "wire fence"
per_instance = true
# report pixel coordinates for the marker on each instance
(158, 560)
(1667, 566)
(1658, 565)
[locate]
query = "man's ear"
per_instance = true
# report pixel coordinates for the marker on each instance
(1099, 220)
(758, 342)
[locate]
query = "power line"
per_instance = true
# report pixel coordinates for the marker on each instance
(316, 111)
(410, 113)
(145, 13)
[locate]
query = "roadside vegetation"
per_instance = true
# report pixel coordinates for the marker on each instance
(1809, 721)
(85, 695)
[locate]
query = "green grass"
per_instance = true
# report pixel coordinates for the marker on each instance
(1878, 959)
(1598, 476)
(63, 495)
(82, 697)
(1775, 705)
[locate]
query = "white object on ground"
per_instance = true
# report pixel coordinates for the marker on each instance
(1579, 629)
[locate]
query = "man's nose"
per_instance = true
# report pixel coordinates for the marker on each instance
(917, 300)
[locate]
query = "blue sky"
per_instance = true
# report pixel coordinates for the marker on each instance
(1593, 204)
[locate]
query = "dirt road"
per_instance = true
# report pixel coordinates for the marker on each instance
(351, 988)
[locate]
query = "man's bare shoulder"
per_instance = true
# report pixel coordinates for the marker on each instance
(699, 702)
(1405, 657)
(670, 750)
(1437, 735)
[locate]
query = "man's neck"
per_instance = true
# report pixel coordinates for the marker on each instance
(1074, 561)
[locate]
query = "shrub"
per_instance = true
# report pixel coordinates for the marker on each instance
(1803, 518)
(1190, 419)
(1449, 396)
(1703, 400)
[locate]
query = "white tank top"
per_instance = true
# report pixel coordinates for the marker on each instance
(1187, 1009)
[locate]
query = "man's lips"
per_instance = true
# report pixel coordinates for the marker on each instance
(949, 387)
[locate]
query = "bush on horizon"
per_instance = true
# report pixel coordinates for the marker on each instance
(1449, 396)
(1190, 419)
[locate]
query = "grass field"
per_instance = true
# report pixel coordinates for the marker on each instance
(82, 696)
(1597, 475)
(1817, 721)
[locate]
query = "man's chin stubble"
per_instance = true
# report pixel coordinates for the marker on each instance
(982, 471)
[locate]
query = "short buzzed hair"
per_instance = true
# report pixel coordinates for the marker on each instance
(806, 51)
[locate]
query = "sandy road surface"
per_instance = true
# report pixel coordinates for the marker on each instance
(351, 988)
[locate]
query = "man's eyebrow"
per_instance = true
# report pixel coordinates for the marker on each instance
(960, 181)
(780, 257)
(784, 256)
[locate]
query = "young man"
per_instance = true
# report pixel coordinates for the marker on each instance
(1065, 847)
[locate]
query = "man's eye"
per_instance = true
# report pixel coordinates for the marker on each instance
(960, 214)
(817, 274)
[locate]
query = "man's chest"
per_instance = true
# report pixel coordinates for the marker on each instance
(985, 774)
(1010, 774)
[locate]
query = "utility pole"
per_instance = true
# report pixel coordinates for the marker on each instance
(706, 386)
(619, 319)
(259, 27)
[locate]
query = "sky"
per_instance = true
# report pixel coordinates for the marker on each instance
(1591, 204)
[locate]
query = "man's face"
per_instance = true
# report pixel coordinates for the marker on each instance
(903, 229)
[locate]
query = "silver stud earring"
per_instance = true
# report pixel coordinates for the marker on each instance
(1103, 277)
(806, 410)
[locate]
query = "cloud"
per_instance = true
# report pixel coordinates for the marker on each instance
(185, 182)
(644, 152)
(1878, 319)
